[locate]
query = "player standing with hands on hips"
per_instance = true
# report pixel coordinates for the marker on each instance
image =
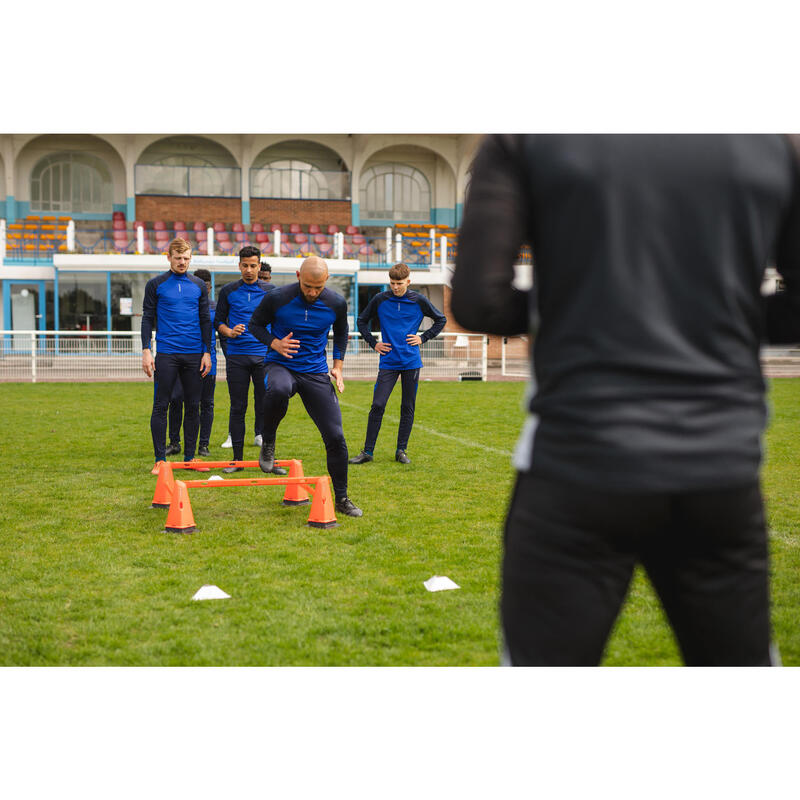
(178, 304)
(399, 312)
(300, 316)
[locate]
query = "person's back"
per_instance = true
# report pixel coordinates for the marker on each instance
(643, 442)
(649, 253)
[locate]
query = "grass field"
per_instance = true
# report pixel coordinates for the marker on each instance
(89, 578)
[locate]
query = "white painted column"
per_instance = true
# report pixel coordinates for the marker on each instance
(433, 247)
(340, 245)
(442, 252)
(71, 235)
(388, 245)
(139, 239)
(210, 234)
(398, 248)
(276, 238)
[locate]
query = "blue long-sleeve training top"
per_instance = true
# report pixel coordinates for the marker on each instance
(287, 312)
(236, 304)
(178, 307)
(399, 317)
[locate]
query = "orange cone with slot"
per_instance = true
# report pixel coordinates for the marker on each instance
(165, 486)
(157, 467)
(180, 518)
(321, 514)
(295, 494)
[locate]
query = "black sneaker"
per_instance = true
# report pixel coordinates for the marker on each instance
(348, 507)
(266, 456)
(173, 449)
(361, 458)
(279, 471)
(229, 470)
(401, 456)
(203, 450)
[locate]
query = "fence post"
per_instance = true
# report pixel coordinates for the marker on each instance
(71, 235)
(210, 238)
(388, 245)
(398, 248)
(443, 252)
(276, 238)
(139, 239)
(33, 357)
(485, 359)
(340, 245)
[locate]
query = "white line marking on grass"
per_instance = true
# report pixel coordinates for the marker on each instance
(425, 429)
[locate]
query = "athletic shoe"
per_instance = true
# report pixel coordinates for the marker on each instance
(227, 442)
(348, 507)
(401, 456)
(173, 449)
(361, 458)
(229, 470)
(266, 456)
(279, 471)
(203, 450)
(258, 441)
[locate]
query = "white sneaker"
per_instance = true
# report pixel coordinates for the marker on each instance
(257, 441)
(227, 442)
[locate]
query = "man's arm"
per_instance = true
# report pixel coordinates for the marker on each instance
(148, 318)
(341, 331)
(221, 318)
(489, 240)
(263, 315)
(439, 319)
(783, 309)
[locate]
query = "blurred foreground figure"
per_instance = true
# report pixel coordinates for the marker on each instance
(646, 407)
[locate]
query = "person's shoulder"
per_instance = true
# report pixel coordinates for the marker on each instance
(266, 286)
(196, 281)
(332, 299)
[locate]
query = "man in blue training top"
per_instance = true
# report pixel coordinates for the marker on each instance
(399, 312)
(178, 304)
(245, 354)
(301, 314)
(209, 385)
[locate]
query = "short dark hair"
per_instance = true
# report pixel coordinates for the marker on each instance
(399, 272)
(265, 267)
(248, 251)
(203, 274)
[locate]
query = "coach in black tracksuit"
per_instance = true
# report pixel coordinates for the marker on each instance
(646, 409)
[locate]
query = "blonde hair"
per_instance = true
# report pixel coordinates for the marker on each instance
(178, 245)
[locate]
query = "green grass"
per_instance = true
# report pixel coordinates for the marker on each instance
(87, 577)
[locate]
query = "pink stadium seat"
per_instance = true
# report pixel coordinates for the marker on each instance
(300, 238)
(276, 226)
(118, 224)
(159, 225)
(222, 236)
(118, 215)
(350, 230)
(333, 229)
(295, 228)
(366, 250)
(314, 229)
(320, 238)
(202, 235)
(262, 238)
(286, 249)
(199, 226)
(202, 248)
(162, 236)
(257, 227)
(240, 236)
(324, 248)
(237, 227)
(348, 249)
(359, 239)
(219, 226)
(178, 227)
(138, 223)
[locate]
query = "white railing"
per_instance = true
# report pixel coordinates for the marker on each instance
(117, 356)
(515, 359)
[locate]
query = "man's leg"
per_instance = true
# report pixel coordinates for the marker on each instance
(238, 387)
(192, 386)
(380, 396)
(319, 399)
(259, 372)
(209, 386)
(175, 418)
(568, 560)
(280, 384)
(409, 381)
(164, 378)
(710, 569)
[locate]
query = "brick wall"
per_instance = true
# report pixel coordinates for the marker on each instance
(188, 209)
(321, 212)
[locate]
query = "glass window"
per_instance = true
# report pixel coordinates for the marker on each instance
(395, 192)
(82, 301)
(127, 294)
(71, 182)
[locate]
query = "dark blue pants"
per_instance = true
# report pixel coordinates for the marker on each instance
(242, 369)
(319, 398)
(170, 368)
(570, 553)
(409, 380)
(209, 384)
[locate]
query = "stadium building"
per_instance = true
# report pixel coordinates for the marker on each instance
(85, 219)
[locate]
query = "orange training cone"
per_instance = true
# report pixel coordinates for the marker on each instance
(180, 518)
(295, 494)
(157, 467)
(165, 486)
(321, 514)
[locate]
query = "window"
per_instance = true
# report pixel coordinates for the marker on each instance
(395, 192)
(292, 179)
(71, 183)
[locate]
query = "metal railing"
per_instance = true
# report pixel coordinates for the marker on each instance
(49, 356)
